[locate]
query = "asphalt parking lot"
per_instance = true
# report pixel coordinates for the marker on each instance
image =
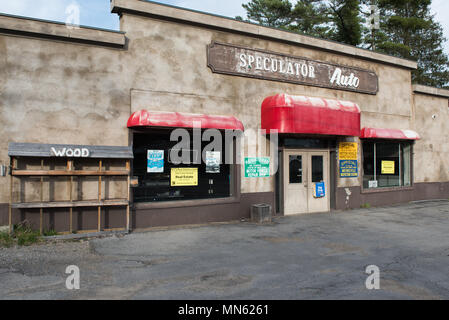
(320, 256)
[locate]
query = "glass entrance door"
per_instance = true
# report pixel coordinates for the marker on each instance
(306, 182)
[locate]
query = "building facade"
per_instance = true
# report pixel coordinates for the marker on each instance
(351, 129)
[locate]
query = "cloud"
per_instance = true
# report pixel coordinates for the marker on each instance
(42, 9)
(94, 13)
(441, 10)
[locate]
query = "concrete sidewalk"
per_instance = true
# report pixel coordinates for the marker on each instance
(320, 256)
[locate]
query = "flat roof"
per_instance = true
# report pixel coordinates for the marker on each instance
(444, 93)
(188, 16)
(25, 26)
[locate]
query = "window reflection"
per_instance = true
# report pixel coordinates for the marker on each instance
(295, 169)
(317, 169)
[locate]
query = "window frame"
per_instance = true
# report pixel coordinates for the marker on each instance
(235, 187)
(388, 189)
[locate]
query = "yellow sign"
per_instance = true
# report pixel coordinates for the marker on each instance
(348, 150)
(388, 167)
(184, 177)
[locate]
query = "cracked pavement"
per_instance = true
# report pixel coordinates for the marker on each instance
(318, 256)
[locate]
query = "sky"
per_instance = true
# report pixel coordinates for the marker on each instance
(96, 13)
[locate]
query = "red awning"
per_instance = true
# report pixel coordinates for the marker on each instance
(146, 118)
(307, 115)
(373, 133)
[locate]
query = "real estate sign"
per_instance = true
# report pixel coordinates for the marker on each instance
(184, 177)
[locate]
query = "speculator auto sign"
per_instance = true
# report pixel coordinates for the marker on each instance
(239, 61)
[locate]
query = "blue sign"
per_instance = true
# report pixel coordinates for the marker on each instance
(155, 161)
(320, 190)
(349, 169)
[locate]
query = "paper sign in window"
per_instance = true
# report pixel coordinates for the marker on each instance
(184, 177)
(388, 167)
(155, 162)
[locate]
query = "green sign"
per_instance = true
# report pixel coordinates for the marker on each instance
(257, 167)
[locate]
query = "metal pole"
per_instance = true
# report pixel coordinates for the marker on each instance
(41, 210)
(99, 196)
(11, 195)
(375, 163)
(400, 166)
(128, 168)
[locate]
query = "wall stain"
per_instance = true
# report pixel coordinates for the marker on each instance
(3, 62)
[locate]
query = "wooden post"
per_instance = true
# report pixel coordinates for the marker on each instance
(41, 210)
(70, 168)
(99, 197)
(11, 195)
(128, 168)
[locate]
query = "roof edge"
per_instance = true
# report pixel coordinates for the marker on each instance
(418, 88)
(168, 12)
(24, 26)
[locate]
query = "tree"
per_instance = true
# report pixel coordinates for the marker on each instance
(347, 21)
(310, 17)
(333, 19)
(306, 16)
(270, 13)
(409, 30)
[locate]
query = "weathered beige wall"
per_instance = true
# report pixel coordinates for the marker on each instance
(55, 92)
(172, 75)
(431, 153)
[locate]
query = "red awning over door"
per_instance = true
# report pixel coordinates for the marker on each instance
(146, 118)
(376, 133)
(308, 115)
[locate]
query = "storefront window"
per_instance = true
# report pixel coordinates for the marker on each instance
(161, 179)
(295, 169)
(386, 164)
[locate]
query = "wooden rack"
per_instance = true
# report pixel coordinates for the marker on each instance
(121, 153)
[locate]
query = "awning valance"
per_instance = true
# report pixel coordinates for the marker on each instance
(144, 118)
(395, 134)
(308, 115)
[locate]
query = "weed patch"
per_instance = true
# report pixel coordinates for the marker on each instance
(6, 240)
(22, 234)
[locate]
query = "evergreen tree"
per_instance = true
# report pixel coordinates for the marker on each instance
(333, 19)
(347, 21)
(409, 30)
(310, 17)
(306, 16)
(270, 13)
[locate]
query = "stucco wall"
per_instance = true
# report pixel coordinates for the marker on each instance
(172, 75)
(60, 92)
(432, 151)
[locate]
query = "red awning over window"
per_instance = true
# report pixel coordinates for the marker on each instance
(307, 115)
(373, 133)
(146, 118)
